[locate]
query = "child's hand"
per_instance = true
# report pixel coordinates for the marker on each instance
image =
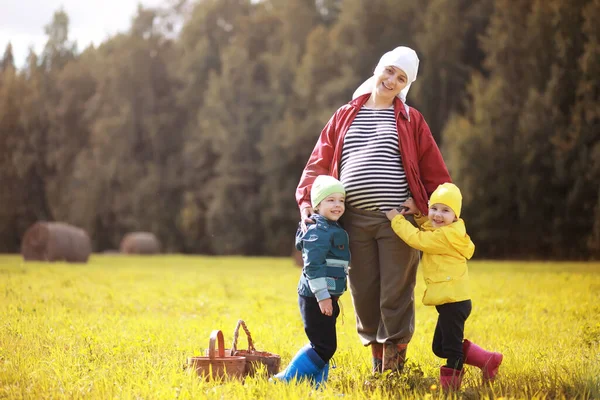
(392, 213)
(410, 207)
(326, 306)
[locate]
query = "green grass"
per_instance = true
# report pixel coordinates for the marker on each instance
(122, 327)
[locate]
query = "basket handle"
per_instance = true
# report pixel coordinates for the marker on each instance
(216, 335)
(236, 334)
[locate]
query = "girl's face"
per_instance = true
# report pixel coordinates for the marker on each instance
(332, 207)
(389, 82)
(441, 215)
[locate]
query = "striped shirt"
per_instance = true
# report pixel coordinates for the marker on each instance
(371, 166)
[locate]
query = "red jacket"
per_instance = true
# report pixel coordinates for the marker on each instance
(421, 157)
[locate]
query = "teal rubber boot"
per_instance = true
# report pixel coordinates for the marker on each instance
(322, 376)
(305, 365)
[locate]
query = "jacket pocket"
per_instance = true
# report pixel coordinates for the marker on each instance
(446, 292)
(337, 271)
(446, 273)
(336, 286)
(340, 245)
(446, 283)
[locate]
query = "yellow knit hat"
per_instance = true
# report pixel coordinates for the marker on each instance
(447, 194)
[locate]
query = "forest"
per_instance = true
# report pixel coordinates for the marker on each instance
(196, 123)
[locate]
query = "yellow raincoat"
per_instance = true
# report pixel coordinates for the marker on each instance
(445, 254)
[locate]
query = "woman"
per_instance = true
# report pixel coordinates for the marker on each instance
(383, 152)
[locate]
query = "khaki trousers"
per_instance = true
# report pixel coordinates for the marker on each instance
(382, 278)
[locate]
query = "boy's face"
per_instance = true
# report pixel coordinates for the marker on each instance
(441, 215)
(332, 207)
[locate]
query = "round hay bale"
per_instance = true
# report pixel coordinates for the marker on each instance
(111, 252)
(140, 243)
(56, 241)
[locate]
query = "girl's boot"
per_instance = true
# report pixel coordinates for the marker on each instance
(305, 365)
(488, 361)
(450, 379)
(377, 353)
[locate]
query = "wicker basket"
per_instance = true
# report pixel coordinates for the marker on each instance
(219, 365)
(254, 357)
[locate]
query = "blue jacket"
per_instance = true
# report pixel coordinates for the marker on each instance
(326, 254)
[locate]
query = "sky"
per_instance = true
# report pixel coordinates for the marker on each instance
(90, 21)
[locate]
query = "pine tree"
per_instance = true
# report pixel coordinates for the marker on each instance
(479, 149)
(70, 133)
(203, 39)
(58, 49)
(8, 60)
(12, 87)
(34, 153)
(132, 161)
(278, 213)
(446, 41)
(586, 125)
(577, 139)
(237, 107)
(514, 153)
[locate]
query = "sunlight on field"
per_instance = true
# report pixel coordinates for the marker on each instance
(122, 327)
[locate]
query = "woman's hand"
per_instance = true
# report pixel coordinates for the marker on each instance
(305, 214)
(326, 306)
(409, 207)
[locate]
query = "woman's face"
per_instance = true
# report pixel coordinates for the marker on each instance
(389, 82)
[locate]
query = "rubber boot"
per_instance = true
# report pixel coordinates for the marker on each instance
(450, 379)
(305, 365)
(394, 355)
(488, 361)
(377, 354)
(322, 376)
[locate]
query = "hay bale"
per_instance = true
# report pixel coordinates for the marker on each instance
(140, 243)
(111, 252)
(56, 241)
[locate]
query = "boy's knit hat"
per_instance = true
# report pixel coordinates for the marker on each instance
(323, 186)
(448, 194)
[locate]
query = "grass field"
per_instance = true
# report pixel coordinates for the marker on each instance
(122, 327)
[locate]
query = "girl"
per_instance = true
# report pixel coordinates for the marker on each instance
(446, 248)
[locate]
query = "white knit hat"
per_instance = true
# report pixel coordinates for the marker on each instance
(401, 57)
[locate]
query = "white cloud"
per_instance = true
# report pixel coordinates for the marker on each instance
(90, 21)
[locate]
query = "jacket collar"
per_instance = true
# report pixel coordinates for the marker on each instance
(319, 217)
(399, 107)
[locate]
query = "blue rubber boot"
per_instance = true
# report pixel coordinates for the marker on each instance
(305, 365)
(322, 376)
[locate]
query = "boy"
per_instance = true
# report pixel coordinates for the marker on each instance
(326, 257)
(446, 248)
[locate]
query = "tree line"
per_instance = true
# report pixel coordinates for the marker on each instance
(196, 123)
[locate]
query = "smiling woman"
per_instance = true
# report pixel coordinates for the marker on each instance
(383, 153)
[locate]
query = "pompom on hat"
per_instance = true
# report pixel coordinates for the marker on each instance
(324, 186)
(447, 194)
(401, 57)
